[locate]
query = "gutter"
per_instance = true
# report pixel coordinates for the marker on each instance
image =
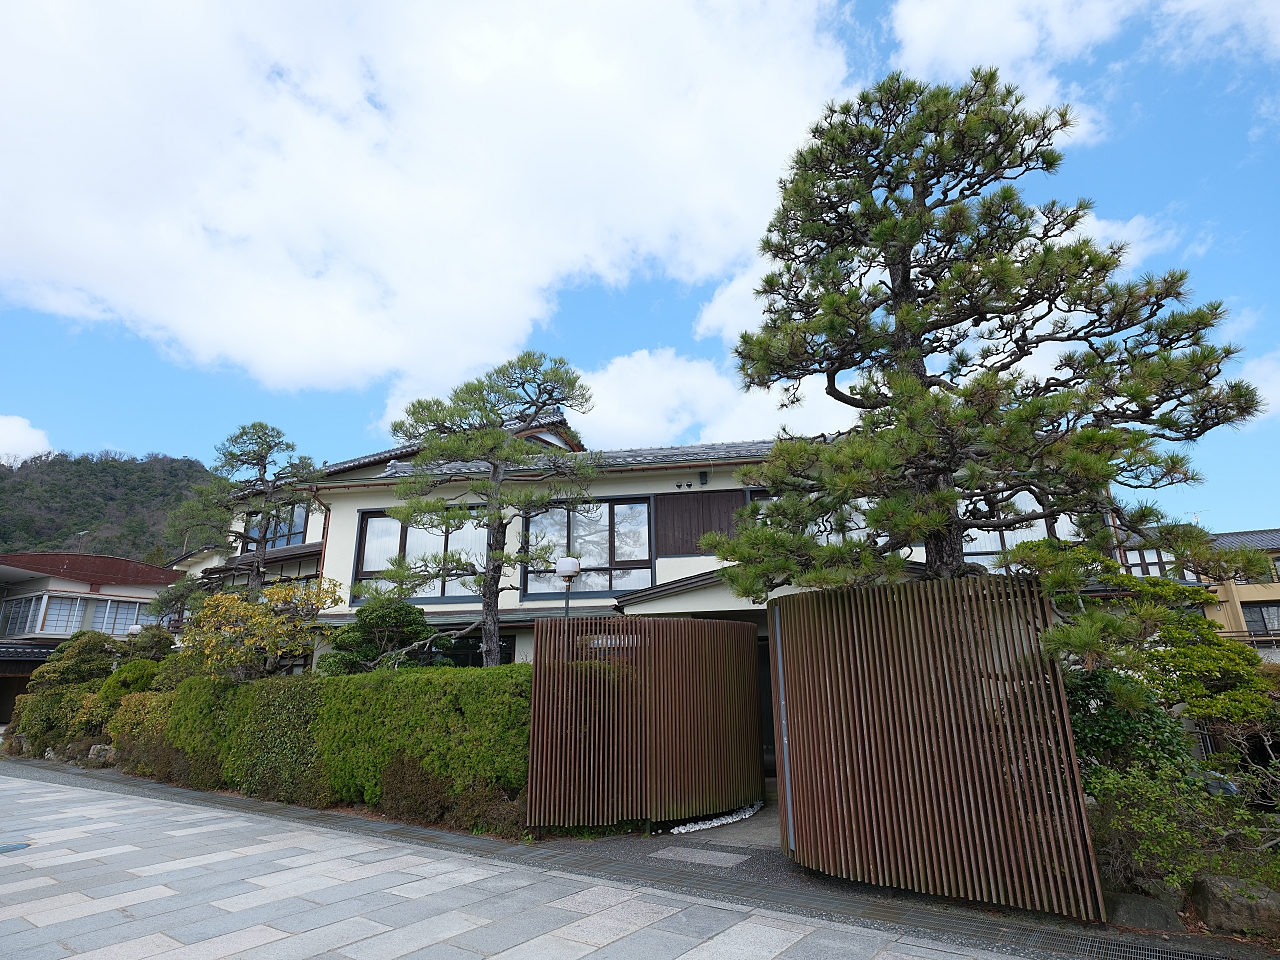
(638, 468)
(324, 534)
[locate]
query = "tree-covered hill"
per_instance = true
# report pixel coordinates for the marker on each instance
(121, 501)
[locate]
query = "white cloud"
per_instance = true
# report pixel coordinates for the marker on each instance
(19, 439)
(734, 306)
(1264, 373)
(1030, 39)
(659, 398)
(327, 194)
(1204, 27)
(1026, 39)
(1144, 236)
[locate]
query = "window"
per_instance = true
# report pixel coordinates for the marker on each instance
(1146, 563)
(1261, 618)
(19, 616)
(286, 532)
(117, 616)
(611, 540)
(63, 615)
(384, 538)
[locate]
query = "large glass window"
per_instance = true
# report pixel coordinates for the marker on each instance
(117, 616)
(610, 539)
(63, 615)
(1261, 618)
(286, 532)
(384, 538)
(19, 616)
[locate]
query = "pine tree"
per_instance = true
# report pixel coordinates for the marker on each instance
(481, 440)
(996, 365)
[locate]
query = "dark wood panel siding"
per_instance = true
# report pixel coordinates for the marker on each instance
(680, 519)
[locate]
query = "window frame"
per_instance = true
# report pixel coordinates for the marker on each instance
(614, 564)
(358, 574)
(247, 546)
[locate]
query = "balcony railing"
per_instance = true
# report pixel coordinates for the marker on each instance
(1267, 639)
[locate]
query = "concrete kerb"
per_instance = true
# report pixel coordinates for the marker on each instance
(828, 908)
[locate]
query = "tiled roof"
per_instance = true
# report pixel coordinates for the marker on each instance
(27, 650)
(298, 551)
(624, 459)
(1258, 539)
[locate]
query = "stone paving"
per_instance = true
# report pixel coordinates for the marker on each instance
(112, 877)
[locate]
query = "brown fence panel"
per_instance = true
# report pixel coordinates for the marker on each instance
(924, 743)
(642, 719)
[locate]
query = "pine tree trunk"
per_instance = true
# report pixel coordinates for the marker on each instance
(490, 591)
(944, 553)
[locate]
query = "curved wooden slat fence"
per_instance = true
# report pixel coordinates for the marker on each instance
(924, 743)
(642, 719)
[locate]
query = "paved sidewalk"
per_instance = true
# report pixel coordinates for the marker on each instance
(113, 877)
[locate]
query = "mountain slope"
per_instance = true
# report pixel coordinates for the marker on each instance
(121, 501)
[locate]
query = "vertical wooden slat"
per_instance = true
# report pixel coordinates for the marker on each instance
(642, 718)
(927, 743)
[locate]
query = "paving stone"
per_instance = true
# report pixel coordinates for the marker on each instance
(503, 934)
(331, 937)
(405, 940)
(835, 945)
(748, 940)
(522, 899)
(300, 889)
(647, 944)
(700, 922)
(714, 858)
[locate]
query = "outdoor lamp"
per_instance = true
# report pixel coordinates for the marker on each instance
(134, 630)
(566, 569)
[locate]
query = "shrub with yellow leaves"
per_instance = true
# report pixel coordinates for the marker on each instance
(242, 639)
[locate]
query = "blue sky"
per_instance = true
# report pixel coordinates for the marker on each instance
(219, 216)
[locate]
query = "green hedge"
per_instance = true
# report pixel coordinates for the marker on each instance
(434, 744)
(463, 725)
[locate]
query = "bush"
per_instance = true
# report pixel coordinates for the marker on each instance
(48, 718)
(197, 726)
(1116, 723)
(1158, 823)
(387, 632)
(429, 745)
(83, 657)
(270, 747)
(138, 733)
(464, 726)
(411, 794)
(135, 676)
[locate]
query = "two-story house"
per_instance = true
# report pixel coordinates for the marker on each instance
(49, 596)
(638, 542)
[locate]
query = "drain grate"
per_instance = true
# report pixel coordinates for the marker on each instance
(11, 847)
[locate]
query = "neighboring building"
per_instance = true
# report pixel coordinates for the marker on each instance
(1251, 611)
(49, 596)
(653, 505)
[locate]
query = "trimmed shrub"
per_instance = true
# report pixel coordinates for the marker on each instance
(433, 745)
(84, 657)
(138, 732)
(197, 727)
(411, 794)
(48, 718)
(135, 676)
(271, 751)
(463, 726)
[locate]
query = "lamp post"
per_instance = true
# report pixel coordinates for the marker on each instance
(566, 569)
